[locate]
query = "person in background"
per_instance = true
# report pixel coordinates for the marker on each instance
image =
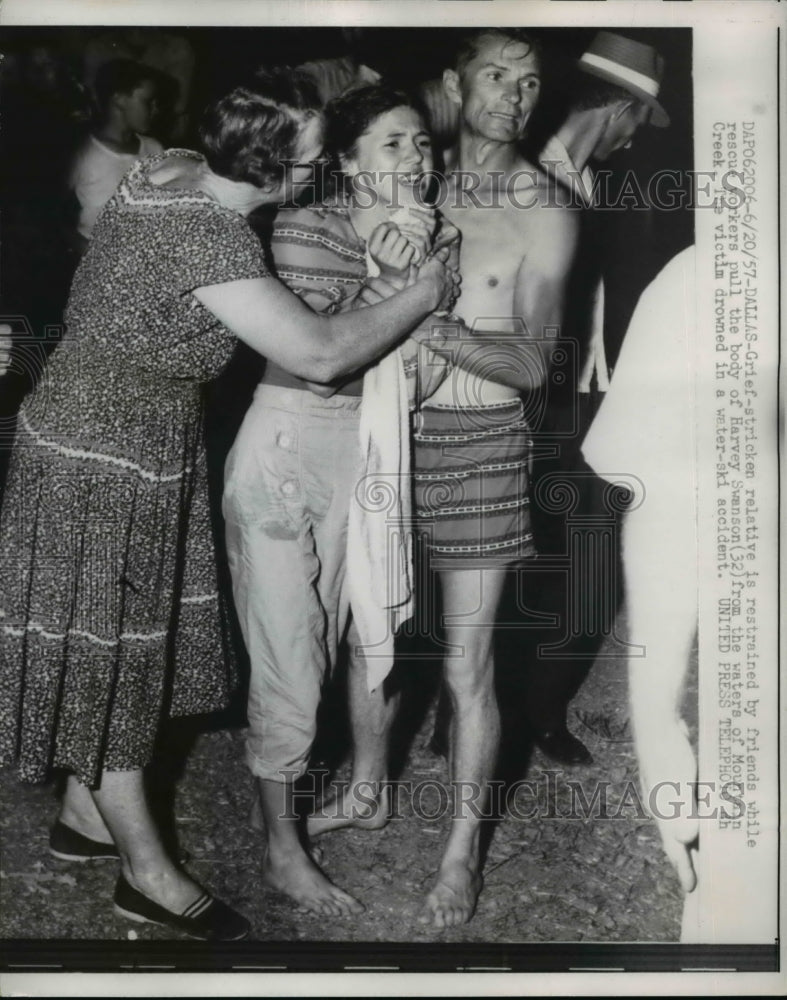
(612, 94)
(341, 74)
(169, 53)
(126, 105)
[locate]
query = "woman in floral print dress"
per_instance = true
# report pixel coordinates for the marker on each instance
(110, 615)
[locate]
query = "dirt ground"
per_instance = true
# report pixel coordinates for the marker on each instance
(548, 878)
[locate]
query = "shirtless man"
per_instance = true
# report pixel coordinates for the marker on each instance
(472, 441)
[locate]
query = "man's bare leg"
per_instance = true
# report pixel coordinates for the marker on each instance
(470, 604)
(287, 866)
(365, 803)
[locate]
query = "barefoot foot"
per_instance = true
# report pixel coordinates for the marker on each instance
(296, 875)
(452, 901)
(257, 822)
(364, 805)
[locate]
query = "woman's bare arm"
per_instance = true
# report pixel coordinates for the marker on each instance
(269, 318)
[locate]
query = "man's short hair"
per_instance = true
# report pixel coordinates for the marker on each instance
(121, 76)
(246, 134)
(470, 43)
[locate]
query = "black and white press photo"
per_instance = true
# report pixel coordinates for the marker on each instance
(388, 562)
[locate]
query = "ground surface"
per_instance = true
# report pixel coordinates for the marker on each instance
(548, 878)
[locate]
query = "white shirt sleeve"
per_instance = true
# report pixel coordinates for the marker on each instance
(645, 426)
(96, 173)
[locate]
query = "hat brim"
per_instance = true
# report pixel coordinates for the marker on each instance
(659, 116)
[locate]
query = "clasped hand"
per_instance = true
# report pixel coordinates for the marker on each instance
(393, 253)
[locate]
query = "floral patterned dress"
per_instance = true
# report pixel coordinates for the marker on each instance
(110, 613)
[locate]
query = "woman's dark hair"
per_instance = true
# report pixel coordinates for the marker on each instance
(248, 133)
(348, 117)
(120, 76)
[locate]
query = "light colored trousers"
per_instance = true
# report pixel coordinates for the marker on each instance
(287, 487)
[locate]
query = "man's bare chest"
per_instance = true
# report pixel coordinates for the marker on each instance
(494, 244)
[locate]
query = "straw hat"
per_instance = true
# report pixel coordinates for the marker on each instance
(631, 65)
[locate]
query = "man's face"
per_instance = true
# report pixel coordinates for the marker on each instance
(139, 107)
(498, 88)
(625, 118)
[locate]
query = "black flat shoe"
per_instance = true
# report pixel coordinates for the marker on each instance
(563, 747)
(67, 844)
(207, 918)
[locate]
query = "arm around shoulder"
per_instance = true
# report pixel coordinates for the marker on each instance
(273, 321)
